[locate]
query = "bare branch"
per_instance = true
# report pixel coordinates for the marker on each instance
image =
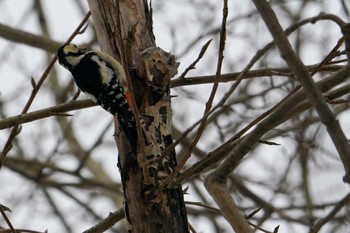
(58, 110)
(209, 103)
(313, 94)
(108, 222)
(18, 36)
(8, 144)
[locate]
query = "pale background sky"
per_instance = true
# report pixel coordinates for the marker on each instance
(63, 17)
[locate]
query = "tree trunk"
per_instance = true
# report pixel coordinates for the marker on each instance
(124, 30)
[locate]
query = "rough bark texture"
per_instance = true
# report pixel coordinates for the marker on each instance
(124, 30)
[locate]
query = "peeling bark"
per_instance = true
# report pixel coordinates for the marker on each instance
(124, 30)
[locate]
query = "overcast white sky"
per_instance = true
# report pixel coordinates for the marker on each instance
(63, 17)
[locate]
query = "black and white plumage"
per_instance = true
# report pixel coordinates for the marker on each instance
(101, 78)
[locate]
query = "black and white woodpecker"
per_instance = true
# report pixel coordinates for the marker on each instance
(101, 78)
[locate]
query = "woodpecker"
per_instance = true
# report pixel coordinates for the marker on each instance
(101, 78)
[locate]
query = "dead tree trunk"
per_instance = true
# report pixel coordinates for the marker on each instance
(124, 30)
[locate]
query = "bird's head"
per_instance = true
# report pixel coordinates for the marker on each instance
(69, 55)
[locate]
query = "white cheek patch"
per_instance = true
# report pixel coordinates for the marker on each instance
(74, 60)
(106, 72)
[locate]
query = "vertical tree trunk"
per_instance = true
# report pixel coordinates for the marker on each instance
(124, 30)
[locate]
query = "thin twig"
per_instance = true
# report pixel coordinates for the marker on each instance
(282, 113)
(23, 37)
(8, 144)
(2, 211)
(313, 94)
(58, 110)
(108, 222)
(210, 100)
(240, 76)
(193, 64)
(57, 211)
(216, 210)
(228, 77)
(343, 202)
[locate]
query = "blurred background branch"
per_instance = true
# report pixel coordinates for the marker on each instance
(61, 170)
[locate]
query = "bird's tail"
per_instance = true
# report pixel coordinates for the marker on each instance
(129, 128)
